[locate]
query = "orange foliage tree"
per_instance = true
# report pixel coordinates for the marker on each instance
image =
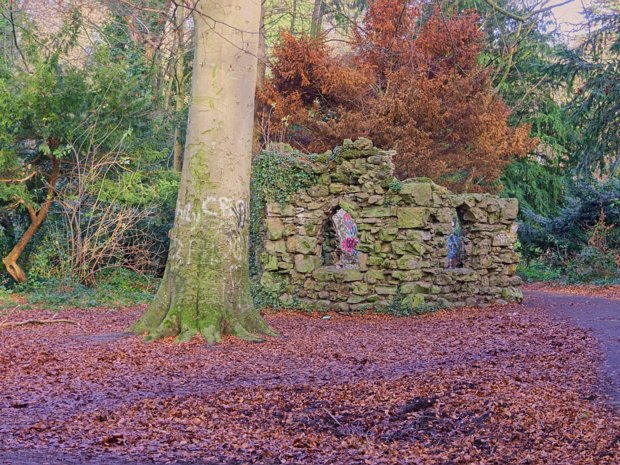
(411, 82)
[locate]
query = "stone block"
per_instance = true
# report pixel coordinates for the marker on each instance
(318, 190)
(280, 209)
(407, 247)
(272, 282)
(376, 200)
(409, 275)
(417, 193)
(360, 288)
(306, 263)
(409, 262)
(412, 217)
(301, 244)
(413, 301)
(374, 276)
(509, 208)
(362, 143)
(311, 229)
(348, 276)
(275, 228)
(324, 274)
(275, 247)
(475, 215)
(356, 299)
(336, 188)
(386, 290)
(269, 262)
(376, 212)
(512, 294)
(388, 234)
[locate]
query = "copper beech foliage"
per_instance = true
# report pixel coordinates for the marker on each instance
(409, 82)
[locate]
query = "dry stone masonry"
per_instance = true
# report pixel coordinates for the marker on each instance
(418, 245)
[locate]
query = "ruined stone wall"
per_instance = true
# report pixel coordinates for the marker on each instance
(403, 240)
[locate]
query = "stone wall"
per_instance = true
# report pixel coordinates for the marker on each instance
(402, 252)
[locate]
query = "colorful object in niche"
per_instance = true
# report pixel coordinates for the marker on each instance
(455, 243)
(346, 230)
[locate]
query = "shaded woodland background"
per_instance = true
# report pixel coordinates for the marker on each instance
(479, 96)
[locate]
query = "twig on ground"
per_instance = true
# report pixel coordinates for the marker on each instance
(332, 417)
(13, 324)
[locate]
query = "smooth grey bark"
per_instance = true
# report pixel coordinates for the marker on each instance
(206, 287)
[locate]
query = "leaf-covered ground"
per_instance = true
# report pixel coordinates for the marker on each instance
(504, 385)
(608, 291)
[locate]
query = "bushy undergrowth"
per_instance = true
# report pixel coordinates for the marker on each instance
(121, 288)
(580, 243)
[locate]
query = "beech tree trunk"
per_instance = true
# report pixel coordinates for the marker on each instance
(36, 220)
(206, 287)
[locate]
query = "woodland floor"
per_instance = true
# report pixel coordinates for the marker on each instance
(504, 385)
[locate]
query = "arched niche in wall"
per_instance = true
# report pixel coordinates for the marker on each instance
(456, 240)
(339, 240)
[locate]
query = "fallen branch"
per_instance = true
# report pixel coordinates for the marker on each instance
(13, 324)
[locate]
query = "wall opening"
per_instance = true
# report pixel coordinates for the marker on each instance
(456, 248)
(340, 239)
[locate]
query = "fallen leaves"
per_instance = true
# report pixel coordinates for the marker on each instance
(610, 291)
(493, 386)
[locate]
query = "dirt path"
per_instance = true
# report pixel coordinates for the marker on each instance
(599, 315)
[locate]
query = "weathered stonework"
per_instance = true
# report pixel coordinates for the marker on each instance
(403, 230)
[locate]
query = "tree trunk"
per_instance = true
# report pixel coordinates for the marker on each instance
(293, 17)
(206, 287)
(177, 158)
(36, 220)
(262, 48)
(316, 26)
(260, 78)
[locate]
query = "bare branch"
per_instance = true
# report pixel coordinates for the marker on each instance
(523, 18)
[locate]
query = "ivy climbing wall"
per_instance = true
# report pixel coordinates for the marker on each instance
(338, 231)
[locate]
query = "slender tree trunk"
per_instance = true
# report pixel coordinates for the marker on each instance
(260, 78)
(262, 48)
(317, 18)
(177, 157)
(36, 220)
(293, 17)
(206, 287)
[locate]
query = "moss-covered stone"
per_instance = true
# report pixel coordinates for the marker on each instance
(306, 263)
(412, 217)
(408, 247)
(301, 244)
(375, 276)
(275, 228)
(418, 193)
(272, 282)
(388, 234)
(376, 212)
(349, 275)
(323, 275)
(386, 290)
(360, 288)
(275, 247)
(269, 262)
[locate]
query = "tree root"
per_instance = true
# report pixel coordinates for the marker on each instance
(14, 324)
